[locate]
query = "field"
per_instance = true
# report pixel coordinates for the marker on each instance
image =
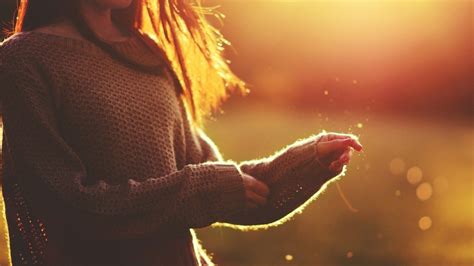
(412, 186)
(387, 229)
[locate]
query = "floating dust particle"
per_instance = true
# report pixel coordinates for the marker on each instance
(355, 81)
(397, 166)
(424, 191)
(326, 92)
(289, 257)
(425, 223)
(414, 175)
(398, 193)
(349, 254)
(360, 125)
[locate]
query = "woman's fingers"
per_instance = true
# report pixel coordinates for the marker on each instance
(336, 166)
(260, 188)
(337, 145)
(346, 156)
(344, 159)
(256, 192)
(334, 135)
(256, 199)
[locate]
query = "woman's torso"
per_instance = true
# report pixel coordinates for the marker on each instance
(122, 123)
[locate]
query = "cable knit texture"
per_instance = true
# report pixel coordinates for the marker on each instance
(102, 165)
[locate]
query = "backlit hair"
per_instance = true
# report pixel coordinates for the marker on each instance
(179, 29)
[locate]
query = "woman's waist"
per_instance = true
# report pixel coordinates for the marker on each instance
(152, 249)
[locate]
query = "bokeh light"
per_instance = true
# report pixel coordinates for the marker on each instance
(397, 166)
(349, 254)
(424, 191)
(405, 66)
(425, 223)
(414, 175)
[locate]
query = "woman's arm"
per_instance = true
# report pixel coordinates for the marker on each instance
(293, 175)
(195, 196)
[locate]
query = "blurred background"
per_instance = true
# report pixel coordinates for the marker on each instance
(397, 73)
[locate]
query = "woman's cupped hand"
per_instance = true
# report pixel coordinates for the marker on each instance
(334, 150)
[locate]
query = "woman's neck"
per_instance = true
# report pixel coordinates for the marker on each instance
(100, 21)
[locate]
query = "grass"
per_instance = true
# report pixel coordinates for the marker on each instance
(386, 229)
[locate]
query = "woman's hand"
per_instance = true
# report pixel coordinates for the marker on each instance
(335, 150)
(256, 192)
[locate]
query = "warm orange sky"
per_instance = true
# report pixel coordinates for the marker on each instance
(392, 48)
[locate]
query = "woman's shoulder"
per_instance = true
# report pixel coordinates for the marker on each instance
(22, 47)
(16, 44)
(15, 51)
(36, 43)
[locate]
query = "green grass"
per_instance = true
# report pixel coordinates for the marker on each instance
(385, 231)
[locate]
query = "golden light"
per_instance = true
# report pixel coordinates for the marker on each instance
(425, 223)
(289, 257)
(414, 175)
(440, 184)
(397, 166)
(349, 254)
(424, 191)
(360, 125)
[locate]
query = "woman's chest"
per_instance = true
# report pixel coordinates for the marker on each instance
(107, 96)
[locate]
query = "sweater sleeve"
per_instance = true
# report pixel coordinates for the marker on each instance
(194, 196)
(293, 175)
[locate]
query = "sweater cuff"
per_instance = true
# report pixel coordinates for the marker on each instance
(230, 193)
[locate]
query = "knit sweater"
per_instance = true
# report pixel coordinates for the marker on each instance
(103, 165)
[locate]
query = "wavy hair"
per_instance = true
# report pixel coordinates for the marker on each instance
(178, 28)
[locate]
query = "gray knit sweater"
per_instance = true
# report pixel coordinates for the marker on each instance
(102, 165)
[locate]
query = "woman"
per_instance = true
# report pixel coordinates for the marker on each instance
(105, 162)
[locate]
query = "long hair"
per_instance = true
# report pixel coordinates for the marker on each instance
(178, 28)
